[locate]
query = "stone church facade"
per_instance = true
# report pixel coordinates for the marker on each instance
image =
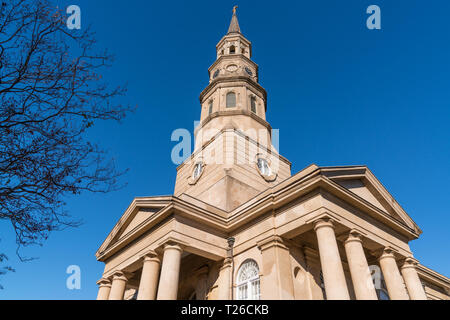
(240, 226)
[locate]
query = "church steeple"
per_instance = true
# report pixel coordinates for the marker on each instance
(233, 159)
(234, 41)
(233, 97)
(234, 25)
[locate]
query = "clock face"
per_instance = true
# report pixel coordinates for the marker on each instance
(247, 69)
(216, 74)
(232, 68)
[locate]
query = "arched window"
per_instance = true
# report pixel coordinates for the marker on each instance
(231, 100)
(248, 281)
(253, 104)
(232, 50)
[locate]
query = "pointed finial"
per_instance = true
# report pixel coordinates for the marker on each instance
(234, 25)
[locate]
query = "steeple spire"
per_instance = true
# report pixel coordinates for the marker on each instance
(234, 25)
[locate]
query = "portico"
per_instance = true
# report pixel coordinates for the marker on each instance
(301, 253)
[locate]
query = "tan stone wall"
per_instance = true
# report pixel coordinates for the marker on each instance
(230, 176)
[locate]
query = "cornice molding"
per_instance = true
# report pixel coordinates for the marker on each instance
(230, 113)
(242, 79)
(269, 200)
(433, 277)
(233, 58)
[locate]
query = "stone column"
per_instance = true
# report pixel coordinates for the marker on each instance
(330, 261)
(392, 277)
(224, 283)
(149, 277)
(412, 281)
(119, 283)
(170, 272)
(103, 289)
(276, 279)
(359, 268)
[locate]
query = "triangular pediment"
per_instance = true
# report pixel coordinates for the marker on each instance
(139, 217)
(361, 182)
(139, 211)
(358, 187)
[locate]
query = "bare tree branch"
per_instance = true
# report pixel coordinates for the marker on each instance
(51, 93)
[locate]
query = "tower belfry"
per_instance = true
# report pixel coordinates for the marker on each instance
(233, 159)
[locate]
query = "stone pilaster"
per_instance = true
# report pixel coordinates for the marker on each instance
(276, 280)
(224, 283)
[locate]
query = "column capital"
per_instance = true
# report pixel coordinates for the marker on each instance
(387, 252)
(410, 262)
(104, 282)
(172, 243)
(151, 256)
(323, 222)
(227, 263)
(271, 241)
(354, 236)
(121, 275)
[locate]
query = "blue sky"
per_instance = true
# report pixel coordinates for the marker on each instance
(339, 93)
